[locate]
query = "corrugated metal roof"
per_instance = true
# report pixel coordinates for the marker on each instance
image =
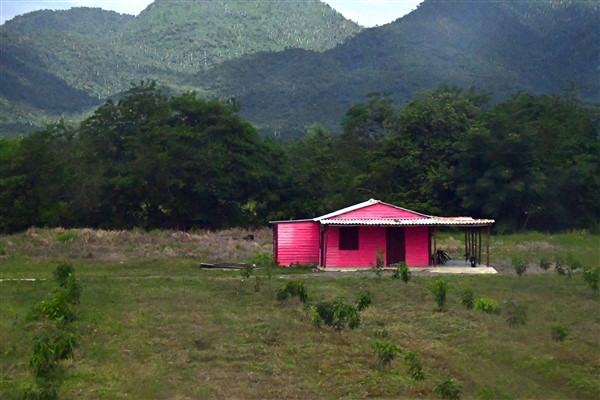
(431, 221)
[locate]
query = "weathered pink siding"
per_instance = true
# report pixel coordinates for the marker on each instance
(378, 211)
(297, 242)
(370, 239)
(417, 246)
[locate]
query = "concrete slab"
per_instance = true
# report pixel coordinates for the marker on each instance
(452, 267)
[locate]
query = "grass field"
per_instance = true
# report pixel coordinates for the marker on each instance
(154, 325)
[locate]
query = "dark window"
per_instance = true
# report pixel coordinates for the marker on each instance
(349, 238)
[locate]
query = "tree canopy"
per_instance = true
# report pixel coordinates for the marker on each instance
(153, 161)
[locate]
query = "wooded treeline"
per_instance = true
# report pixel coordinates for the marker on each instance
(151, 161)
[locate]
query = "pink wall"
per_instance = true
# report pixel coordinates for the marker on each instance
(297, 242)
(369, 240)
(378, 211)
(417, 245)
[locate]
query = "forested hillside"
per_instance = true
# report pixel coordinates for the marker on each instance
(496, 47)
(152, 161)
(57, 63)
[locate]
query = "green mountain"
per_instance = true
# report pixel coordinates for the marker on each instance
(58, 63)
(291, 64)
(498, 47)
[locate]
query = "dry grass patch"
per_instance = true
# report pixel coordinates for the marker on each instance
(227, 245)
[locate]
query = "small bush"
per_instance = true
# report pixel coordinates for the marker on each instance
(265, 261)
(559, 332)
(520, 266)
(378, 271)
(379, 264)
(57, 309)
(516, 314)
(439, 289)
(448, 390)
(487, 305)
(336, 314)
(545, 264)
(441, 257)
(591, 277)
(385, 351)
(467, 299)
(293, 289)
(413, 363)
(62, 273)
(364, 300)
(560, 266)
(572, 264)
(402, 272)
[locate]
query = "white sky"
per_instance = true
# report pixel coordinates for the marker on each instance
(366, 12)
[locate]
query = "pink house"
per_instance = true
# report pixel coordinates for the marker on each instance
(352, 237)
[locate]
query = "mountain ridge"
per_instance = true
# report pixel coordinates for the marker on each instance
(495, 47)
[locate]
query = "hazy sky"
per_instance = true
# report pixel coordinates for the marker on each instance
(365, 12)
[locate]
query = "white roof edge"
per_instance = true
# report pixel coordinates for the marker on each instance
(292, 220)
(364, 204)
(348, 209)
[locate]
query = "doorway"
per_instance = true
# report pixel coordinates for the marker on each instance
(395, 244)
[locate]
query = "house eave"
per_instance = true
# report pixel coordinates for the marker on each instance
(410, 222)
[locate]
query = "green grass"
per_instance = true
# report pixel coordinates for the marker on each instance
(163, 328)
(206, 334)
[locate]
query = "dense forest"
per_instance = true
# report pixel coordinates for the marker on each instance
(154, 161)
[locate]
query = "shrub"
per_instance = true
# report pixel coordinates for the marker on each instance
(572, 264)
(379, 263)
(439, 289)
(487, 305)
(467, 299)
(403, 272)
(413, 363)
(448, 390)
(559, 332)
(62, 273)
(519, 265)
(291, 289)
(364, 300)
(545, 264)
(385, 351)
(72, 290)
(49, 348)
(264, 260)
(560, 267)
(516, 314)
(57, 309)
(591, 276)
(56, 341)
(336, 314)
(441, 257)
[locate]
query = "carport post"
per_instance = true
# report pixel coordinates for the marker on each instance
(434, 246)
(487, 247)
